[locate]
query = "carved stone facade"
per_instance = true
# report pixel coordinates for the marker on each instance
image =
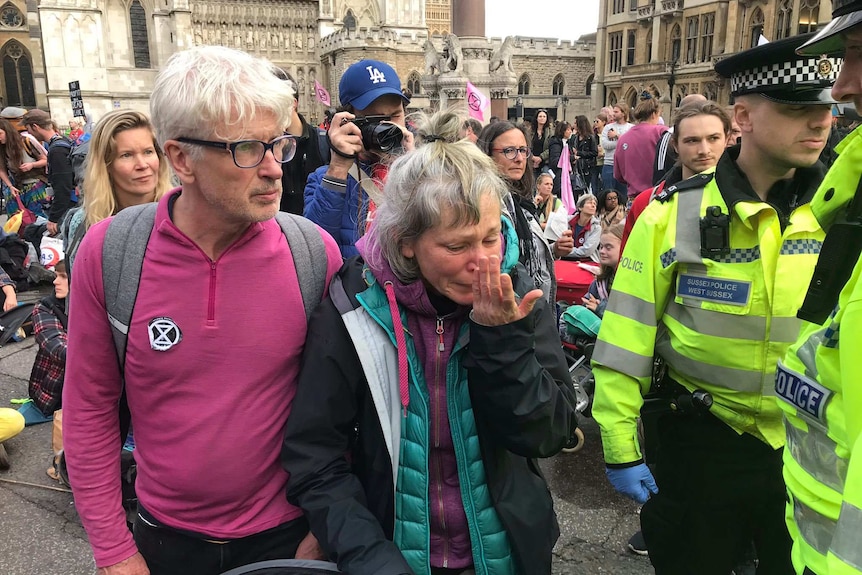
(115, 48)
(641, 43)
(22, 83)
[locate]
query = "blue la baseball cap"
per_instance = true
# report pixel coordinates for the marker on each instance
(367, 80)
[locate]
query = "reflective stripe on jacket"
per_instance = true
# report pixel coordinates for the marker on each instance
(820, 383)
(720, 324)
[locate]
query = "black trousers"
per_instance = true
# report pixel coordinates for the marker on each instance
(168, 551)
(718, 492)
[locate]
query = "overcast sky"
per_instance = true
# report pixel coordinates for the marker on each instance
(566, 19)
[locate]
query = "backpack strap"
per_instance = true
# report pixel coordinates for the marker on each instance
(122, 259)
(309, 257)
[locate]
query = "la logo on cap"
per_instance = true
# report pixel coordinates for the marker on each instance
(376, 75)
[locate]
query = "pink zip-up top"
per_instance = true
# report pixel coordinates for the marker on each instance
(213, 355)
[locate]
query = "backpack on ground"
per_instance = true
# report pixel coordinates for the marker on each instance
(123, 253)
(13, 257)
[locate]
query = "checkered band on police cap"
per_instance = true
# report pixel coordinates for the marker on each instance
(807, 72)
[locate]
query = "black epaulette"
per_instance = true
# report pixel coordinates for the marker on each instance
(693, 183)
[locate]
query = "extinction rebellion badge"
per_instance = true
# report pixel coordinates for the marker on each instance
(164, 333)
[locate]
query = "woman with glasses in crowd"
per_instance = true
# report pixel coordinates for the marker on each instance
(429, 467)
(612, 209)
(506, 144)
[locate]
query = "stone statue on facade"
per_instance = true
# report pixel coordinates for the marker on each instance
(432, 59)
(502, 57)
(454, 58)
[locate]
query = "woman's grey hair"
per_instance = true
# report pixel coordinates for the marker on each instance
(210, 91)
(585, 198)
(443, 176)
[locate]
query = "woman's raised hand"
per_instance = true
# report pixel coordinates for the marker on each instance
(494, 300)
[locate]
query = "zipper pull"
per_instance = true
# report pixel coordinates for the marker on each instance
(440, 345)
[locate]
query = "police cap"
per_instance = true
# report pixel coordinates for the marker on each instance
(778, 73)
(845, 15)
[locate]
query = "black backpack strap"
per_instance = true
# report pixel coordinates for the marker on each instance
(309, 257)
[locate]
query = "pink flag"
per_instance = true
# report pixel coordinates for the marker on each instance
(476, 102)
(321, 94)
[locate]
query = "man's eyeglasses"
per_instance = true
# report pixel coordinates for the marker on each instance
(511, 153)
(250, 153)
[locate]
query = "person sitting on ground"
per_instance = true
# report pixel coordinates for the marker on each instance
(612, 209)
(8, 295)
(442, 258)
(50, 324)
(546, 202)
(125, 167)
(586, 230)
(584, 321)
(11, 424)
(339, 196)
(596, 298)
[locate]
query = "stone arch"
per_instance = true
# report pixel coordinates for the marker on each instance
(18, 86)
(414, 83)
(631, 98)
(588, 85)
(612, 99)
(675, 44)
(139, 34)
(559, 85)
(524, 84)
(755, 27)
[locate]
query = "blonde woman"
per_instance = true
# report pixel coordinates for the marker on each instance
(546, 201)
(125, 167)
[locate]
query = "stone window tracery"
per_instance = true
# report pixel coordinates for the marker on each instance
(18, 76)
(140, 38)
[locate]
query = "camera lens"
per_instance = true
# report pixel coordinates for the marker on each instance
(382, 137)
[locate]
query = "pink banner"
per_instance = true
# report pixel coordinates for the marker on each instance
(321, 94)
(476, 102)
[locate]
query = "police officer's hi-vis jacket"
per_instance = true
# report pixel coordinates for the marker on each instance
(720, 324)
(820, 383)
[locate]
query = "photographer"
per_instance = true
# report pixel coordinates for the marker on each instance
(364, 136)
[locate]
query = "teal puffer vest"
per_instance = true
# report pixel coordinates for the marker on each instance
(492, 554)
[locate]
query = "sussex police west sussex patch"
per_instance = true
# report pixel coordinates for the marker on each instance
(716, 290)
(804, 393)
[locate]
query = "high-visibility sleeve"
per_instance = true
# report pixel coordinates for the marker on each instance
(623, 357)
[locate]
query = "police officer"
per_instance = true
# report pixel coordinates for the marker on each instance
(820, 378)
(710, 281)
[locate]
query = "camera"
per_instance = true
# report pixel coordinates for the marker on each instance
(377, 136)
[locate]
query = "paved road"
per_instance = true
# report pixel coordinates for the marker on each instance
(40, 533)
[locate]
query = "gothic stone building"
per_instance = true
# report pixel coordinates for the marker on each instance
(114, 48)
(643, 44)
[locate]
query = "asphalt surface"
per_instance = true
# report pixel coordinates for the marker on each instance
(41, 534)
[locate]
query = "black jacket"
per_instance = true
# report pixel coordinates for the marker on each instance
(522, 411)
(61, 175)
(295, 172)
(587, 151)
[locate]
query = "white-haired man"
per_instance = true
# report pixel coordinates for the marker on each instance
(208, 402)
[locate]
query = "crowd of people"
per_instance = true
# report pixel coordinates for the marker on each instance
(408, 370)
